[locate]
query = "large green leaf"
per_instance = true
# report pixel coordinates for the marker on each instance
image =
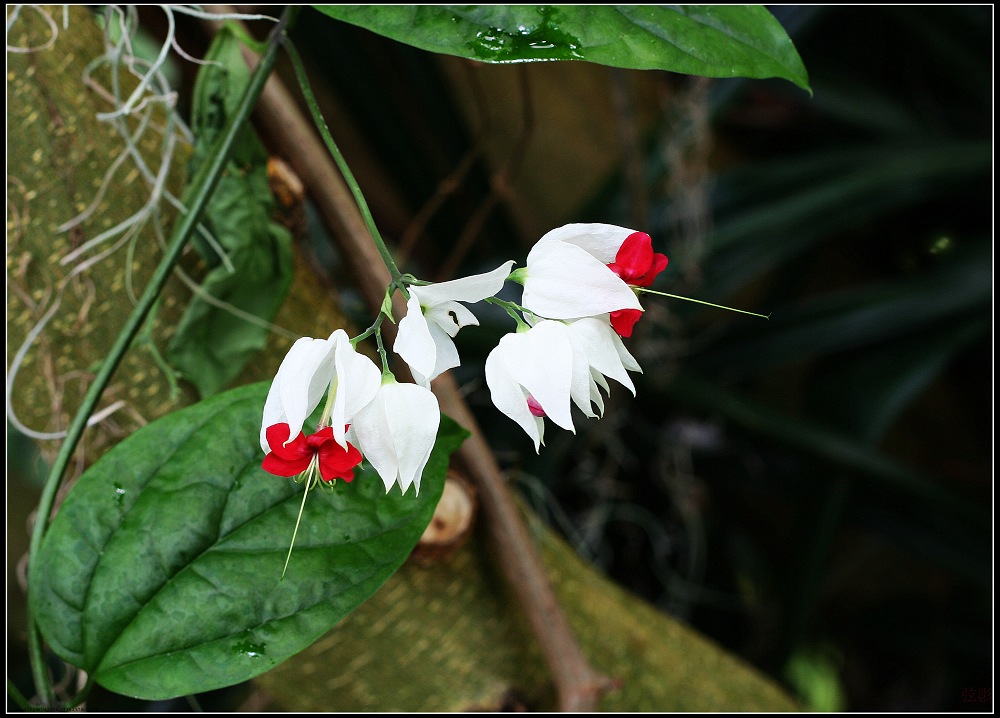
(709, 40)
(227, 324)
(161, 574)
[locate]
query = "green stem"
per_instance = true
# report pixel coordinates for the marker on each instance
(201, 190)
(305, 494)
(331, 146)
(382, 355)
(369, 331)
(23, 703)
(513, 310)
(80, 698)
(698, 301)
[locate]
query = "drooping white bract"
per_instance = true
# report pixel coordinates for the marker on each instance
(434, 316)
(567, 280)
(309, 368)
(594, 339)
(601, 241)
(355, 383)
(396, 432)
(535, 366)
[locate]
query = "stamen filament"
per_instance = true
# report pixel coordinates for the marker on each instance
(698, 301)
(310, 475)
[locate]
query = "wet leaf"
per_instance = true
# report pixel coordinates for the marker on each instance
(708, 40)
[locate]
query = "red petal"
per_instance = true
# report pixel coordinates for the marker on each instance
(659, 264)
(298, 448)
(335, 462)
(319, 438)
(274, 464)
(634, 257)
(277, 434)
(624, 320)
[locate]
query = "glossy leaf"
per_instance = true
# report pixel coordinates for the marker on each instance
(161, 574)
(220, 333)
(708, 40)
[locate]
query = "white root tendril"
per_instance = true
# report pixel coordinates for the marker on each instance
(152, 92)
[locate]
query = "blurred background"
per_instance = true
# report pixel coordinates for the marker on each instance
(813, 491)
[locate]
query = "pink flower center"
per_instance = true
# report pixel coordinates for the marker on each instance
(534, 407)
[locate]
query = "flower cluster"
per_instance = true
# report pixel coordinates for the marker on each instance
(366, 414)
(580, 298)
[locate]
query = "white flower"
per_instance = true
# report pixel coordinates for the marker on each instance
(601, 241)
(594, 339)
(434, 316)
(309, 368)
(396, 432)
(567, 276)
(531, 375)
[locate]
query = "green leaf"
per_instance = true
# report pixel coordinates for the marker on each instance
(217, 337)
(709, 40)
(217, 90)
(386, 308)
(225, 326)
(161, 574)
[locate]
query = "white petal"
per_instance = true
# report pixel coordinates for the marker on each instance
(595, 392)
(414, 416)
(628, 361)
(374, 439)
(467, 289)
(565, 282)
(450, 317)
(396, 432)
(581, 388)
(447, 354)
(541, 360)
(597, 340)
(357, 382)
(602, 241)
(414, 342)
(302, 378)
(510, 398)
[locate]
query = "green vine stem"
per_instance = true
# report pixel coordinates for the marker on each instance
(201, 190)
(320, 122)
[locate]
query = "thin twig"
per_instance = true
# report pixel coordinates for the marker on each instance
(579, 686)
